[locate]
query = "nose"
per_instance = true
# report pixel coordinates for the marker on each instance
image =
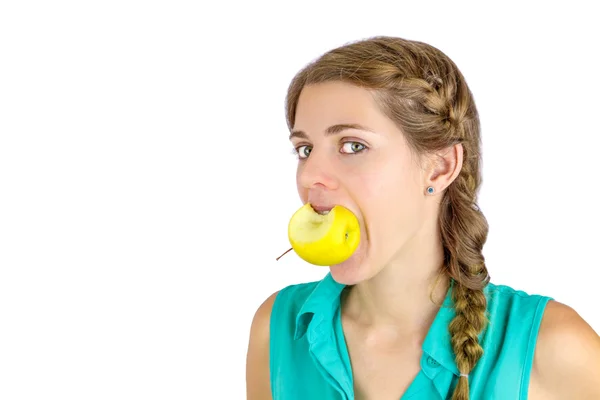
(317, 171)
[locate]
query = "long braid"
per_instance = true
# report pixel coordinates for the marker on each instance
(464, 231)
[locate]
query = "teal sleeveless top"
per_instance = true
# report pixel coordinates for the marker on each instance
(309, 358)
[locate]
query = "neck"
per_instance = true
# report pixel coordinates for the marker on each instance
(400, 295)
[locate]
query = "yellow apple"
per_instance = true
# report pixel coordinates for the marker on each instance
(324, 239)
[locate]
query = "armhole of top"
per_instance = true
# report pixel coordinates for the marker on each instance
(533, 335)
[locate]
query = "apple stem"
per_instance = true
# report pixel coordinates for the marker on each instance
(277, 259)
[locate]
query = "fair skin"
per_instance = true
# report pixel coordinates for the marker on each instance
(388, 311)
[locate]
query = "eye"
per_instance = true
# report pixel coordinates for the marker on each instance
(353, 147)
(303, 151)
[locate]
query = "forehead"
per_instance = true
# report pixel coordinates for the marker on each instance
(324, 104)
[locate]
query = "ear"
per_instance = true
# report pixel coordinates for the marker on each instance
(444, 167)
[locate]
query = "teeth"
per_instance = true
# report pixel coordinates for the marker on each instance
(321, 212)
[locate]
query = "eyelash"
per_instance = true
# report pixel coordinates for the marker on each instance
(296, 150)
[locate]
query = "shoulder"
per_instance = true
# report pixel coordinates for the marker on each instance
(289, 298)
(281, 305)
(567, 355)
(260, 322)
(258, 384)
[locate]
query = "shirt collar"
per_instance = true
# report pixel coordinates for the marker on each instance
(323, 301)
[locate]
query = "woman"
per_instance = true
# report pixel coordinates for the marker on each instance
(388, 128)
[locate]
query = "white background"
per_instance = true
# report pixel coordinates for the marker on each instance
(146, 180)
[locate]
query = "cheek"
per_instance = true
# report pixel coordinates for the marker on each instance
(389, 200)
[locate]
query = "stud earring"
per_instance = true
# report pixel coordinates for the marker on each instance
(430, 190)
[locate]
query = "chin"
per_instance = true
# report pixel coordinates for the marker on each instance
(352, 271)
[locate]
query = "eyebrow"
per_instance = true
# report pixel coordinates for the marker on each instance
(332, 130)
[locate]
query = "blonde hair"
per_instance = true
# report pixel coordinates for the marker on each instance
(423, 91)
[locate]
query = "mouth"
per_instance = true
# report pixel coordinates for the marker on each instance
(322, 210)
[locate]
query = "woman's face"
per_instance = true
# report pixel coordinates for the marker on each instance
(351, 154)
